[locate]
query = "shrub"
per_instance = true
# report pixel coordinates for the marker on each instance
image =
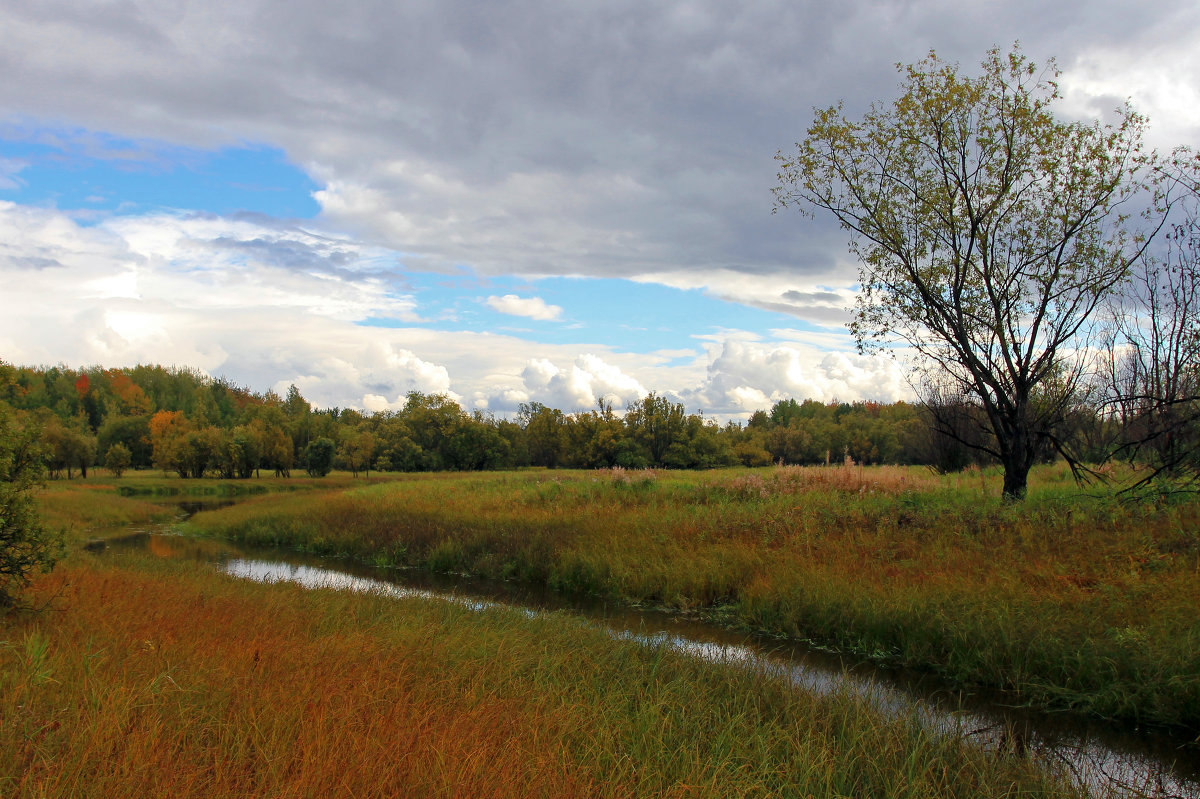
(318, 457)
(117, 459)
(25, 544)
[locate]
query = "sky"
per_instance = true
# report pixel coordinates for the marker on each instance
(506, 202)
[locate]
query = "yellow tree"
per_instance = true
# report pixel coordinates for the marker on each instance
(167, 432)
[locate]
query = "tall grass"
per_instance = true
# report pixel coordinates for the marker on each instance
(1073, 599)
(103, 505)
(152, 679)
(81, 508)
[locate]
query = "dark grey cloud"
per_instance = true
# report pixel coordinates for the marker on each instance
(803, 297)
(530, 136)
(288, 253)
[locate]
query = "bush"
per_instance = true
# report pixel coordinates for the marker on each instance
(117, 459)
(318, 457)
(25, 545)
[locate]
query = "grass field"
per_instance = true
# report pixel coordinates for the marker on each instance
(149, 678)
(103, 504)
(146, 676)
(1074, 599)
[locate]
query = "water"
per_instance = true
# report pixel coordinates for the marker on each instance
(1106, 760)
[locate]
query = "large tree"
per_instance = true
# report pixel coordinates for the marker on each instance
(988, 233)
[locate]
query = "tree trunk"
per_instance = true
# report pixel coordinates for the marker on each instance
(1015, 481)
(1017, 461)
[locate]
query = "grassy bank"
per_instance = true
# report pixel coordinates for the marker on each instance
(102, 504)
(1076, 601)
(149, 678)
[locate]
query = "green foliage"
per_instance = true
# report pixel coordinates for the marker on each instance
(356, 448)
(655, 423)
(988, 233)
(25, 544)
(66, 447)
(545, 434)
(318, 457)
(211, 428)
(117, 459)
(131, 432)
(751, 454)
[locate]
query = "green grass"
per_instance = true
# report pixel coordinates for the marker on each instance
(103, 505)
(1072, 599)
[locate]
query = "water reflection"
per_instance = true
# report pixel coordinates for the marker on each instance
(1103, 759)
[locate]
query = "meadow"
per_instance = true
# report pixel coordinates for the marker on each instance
(1075, 600)
(147, 676)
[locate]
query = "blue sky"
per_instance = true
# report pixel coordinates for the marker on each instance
(631, 316)
(97, 175)
(502, 202)
(87, 170)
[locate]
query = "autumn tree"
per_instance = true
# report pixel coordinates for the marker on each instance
(167, 431)
(988, 233)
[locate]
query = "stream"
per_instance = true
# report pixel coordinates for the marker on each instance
(1107, 760)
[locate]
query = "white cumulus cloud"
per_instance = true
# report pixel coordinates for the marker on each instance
(745, 375)
(582, 385)
(530, 307)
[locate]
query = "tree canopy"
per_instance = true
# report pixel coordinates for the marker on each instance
(988, 233)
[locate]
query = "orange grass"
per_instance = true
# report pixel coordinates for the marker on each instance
(181, 692)
(152, 680)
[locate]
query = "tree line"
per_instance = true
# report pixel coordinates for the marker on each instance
(183, 422)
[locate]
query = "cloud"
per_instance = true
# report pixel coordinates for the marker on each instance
(617, 140)
(398, 369)
(581, 386)
(745, 375)
(531, 307)
(9, 167)
(823, 297)
(1159, 74)
(183, 290)
(541, 138)
(216, 262)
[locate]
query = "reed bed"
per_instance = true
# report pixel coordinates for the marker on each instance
(82, 508)
(103, 505)
(1073, 599)
(149, 678)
